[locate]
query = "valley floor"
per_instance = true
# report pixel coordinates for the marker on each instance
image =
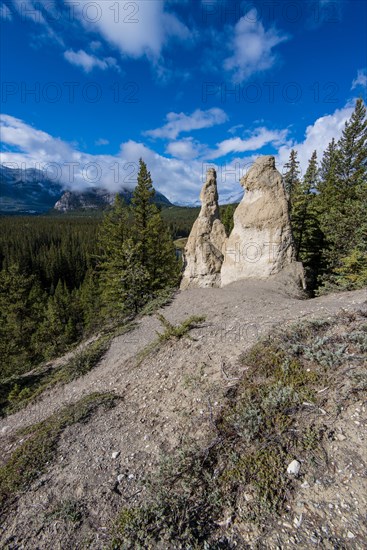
(166, 397)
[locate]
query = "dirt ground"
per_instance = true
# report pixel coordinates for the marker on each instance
(170, 396)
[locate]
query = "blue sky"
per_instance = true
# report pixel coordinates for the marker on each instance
(89, 87)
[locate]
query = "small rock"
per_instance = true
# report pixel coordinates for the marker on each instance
(340, 437)
(120, 477)
(350, 535)
(294, 467)
(131, 476)
(305, 485)
(297, 521)
(115, 454)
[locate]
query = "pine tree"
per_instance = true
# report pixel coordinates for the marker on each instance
(162, 264)
(21, 306)
(151, 237)
(299, 204)
(292, 182)
(114, 231)
(352, 165)
(312, 239)
(227, 218)
(133, 280)
(143, 209)
(58, 329)
(343, 202)
(308, 237)
(90, 300)
(329, 169)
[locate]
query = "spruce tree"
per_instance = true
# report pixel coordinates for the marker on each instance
(311, 238)
(153, 241)
(227, 218)
(162, 264)
(292, 182)
(90, 300)
(21, 309)
(58, 330)
(143, 209)
(114, 231)
(352, 166)
(343, 203)
(133, 278)
(329, 169)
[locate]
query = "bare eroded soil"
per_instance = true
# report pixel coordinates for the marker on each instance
(171, 395)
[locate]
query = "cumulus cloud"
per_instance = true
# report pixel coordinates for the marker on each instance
(28, 147)
(5, 13)
(136, 28)
(180, 122)
(317, 137)
(185, 148)
(360, 80)
(89, 62)
(254, 142)
(178, 179)
(252, 47)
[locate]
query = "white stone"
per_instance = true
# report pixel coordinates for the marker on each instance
(115, 454)
(294, 467)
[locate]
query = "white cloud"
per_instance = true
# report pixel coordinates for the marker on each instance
(180, 122)
(361, 79)
(5, 13)
(252, 47)
(317, 137)
(77, 170)
(136, 28)
(177, 178)
(16, 133)
(89, 62)
(186, 149)
(102, 141)
(258, 139)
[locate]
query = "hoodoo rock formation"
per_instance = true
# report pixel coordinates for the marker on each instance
(261, 242)
(204, 248)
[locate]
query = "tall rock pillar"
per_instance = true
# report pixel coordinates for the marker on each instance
(261, 243)
(203, 252)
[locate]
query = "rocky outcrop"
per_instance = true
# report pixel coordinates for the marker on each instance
(98, 199)
(261, 243)
(86, 200)
(203, 252)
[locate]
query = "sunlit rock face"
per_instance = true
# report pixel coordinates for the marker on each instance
(261, 243)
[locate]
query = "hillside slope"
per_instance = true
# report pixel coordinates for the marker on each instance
(168, 394)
